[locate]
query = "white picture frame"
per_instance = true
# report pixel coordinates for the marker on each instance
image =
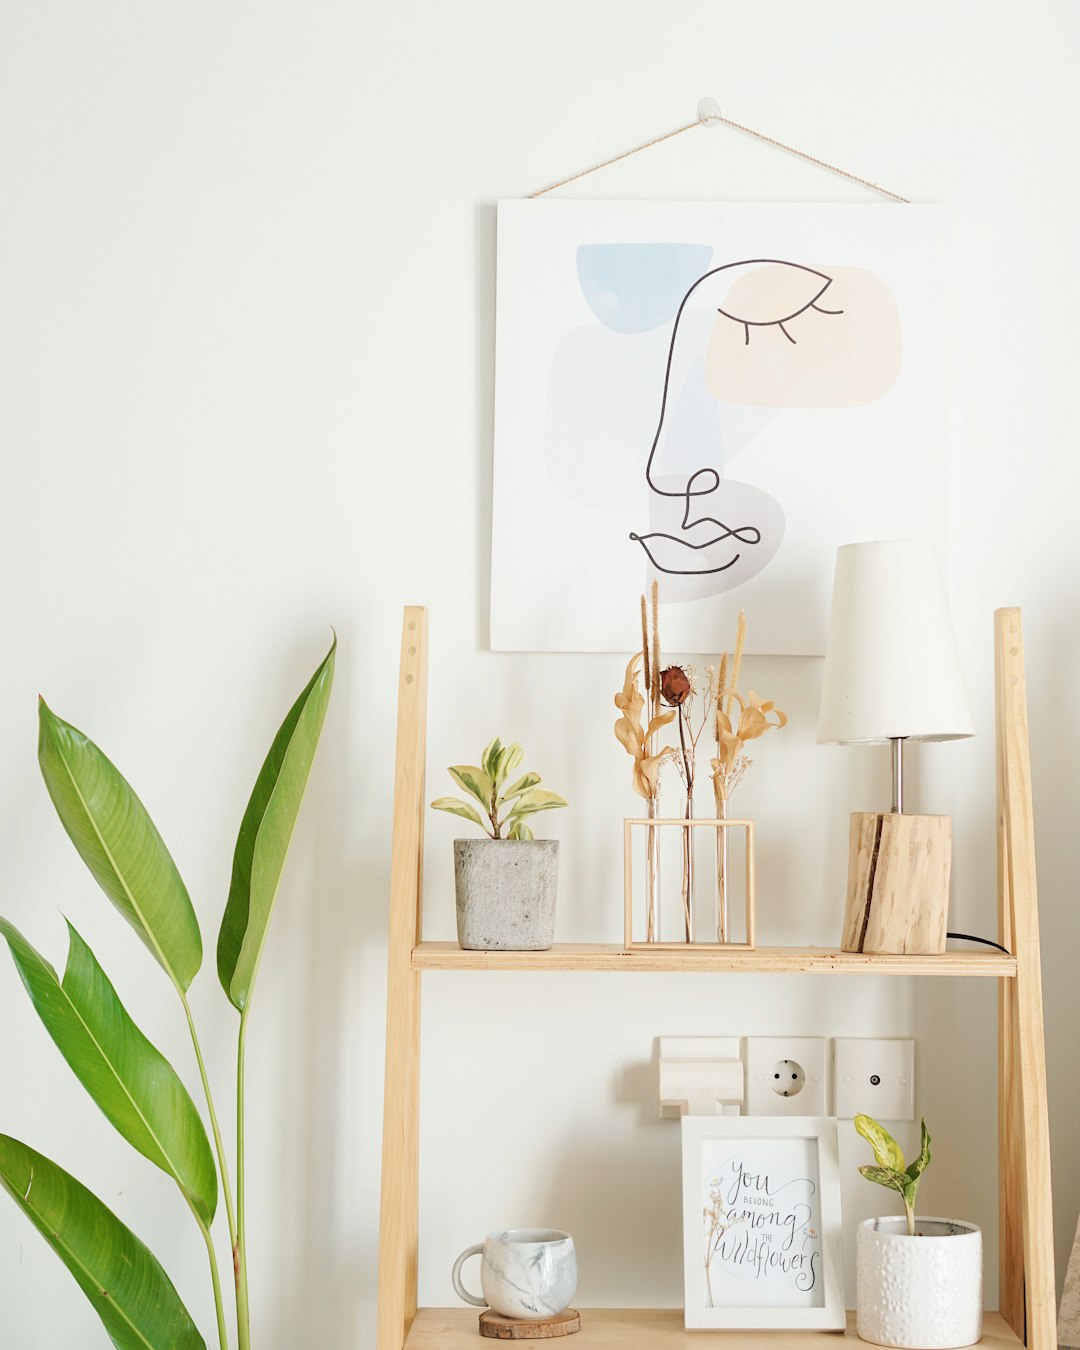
(761, 1223)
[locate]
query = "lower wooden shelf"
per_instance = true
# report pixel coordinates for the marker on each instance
(650, 1329)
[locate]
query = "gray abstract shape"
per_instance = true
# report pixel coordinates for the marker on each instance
(712, 543)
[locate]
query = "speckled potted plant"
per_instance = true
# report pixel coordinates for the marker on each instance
(507, 883)
(919, 1281)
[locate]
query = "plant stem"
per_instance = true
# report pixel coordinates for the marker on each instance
(223, 1337)
(218, 1145)
(910, 1209)
(688, 834)
(243, 1320)
(652, 855)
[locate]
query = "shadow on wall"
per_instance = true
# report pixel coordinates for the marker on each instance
(616, 1201)
(326, 1252)
(485, 217)
(1053, 659)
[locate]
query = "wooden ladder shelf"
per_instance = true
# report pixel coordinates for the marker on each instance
(1027, 1315)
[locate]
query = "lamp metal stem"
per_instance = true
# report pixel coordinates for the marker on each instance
(898, 774)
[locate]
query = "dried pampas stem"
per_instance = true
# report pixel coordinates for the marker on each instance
(645, 649)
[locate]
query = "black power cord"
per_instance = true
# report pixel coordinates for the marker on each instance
(970, 937)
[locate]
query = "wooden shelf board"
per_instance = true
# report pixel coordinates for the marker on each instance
(651, 1329)
(786, 960)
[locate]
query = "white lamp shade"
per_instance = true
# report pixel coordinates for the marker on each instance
(891, 664)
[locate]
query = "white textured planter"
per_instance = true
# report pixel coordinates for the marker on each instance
(922, 1292)
(506, 891)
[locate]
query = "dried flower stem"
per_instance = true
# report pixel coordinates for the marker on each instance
(652, 699)
(654, 688)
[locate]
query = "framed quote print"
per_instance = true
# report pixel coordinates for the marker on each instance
(761, 1223)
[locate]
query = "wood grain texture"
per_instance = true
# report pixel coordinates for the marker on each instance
(658, 1329)
(1010, 1128)
(401, 1106)
(497, 1328)
(704, 959)
(898, 883)
(1018, 853)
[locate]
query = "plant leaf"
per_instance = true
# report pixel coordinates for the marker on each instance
(129, 1291)
(119, 843)
(659, 722)
(523, 784)
(885, 1176)
(922, 1162)
(490, 757)
(519, 830)
(265, 832)
(458, 808)
(886, 1150)
(539, 799)
(476, 782)
(509, 758)
(132, 1083)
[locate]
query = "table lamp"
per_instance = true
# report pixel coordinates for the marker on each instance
(892, 675)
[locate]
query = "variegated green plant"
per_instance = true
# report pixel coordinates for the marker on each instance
(504, 807)
(890, 1169)
(131, 1081)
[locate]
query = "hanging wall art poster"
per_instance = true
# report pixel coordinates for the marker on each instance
(761, 1223)
(713, 395)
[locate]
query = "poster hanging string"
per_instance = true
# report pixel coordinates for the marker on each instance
(709, 115)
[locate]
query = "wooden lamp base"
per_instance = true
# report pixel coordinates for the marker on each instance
(514, 1329)
(898, 883)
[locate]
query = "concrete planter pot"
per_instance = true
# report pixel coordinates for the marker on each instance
(506, 892)
(922, 1292)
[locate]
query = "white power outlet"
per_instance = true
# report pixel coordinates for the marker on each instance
(876, 1078)
(785, 1076)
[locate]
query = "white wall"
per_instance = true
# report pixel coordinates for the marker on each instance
(235, 240)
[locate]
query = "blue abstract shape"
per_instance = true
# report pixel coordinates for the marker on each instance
(633, 288)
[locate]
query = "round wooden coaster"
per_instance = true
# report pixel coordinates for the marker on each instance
(513, 1329)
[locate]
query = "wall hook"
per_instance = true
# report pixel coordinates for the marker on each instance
(708, 111)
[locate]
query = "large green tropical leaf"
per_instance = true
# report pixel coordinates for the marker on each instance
(130, 1081)
(265, 832)
(128, 1289)
(120, 844)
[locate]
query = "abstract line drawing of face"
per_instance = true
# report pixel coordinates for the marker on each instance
(774, 334)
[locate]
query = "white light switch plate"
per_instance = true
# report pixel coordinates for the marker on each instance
(786, 1076)
(876, 1078)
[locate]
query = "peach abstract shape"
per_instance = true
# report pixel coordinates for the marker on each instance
(779, 341)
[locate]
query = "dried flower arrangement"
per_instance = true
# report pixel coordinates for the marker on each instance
(673, 694)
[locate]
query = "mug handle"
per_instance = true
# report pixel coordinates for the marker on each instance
(459, 1288)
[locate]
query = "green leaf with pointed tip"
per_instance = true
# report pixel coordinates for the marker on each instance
(130, 1081)
(519, 830)
(509, 758)
(885, 1176)
(922, 1162)
(129, 1291)
(537, 800)
(265, 833)
(457, 807)
(523, 784)
(489, 759)
(886, 1150)
(119, 843)
(475, 782)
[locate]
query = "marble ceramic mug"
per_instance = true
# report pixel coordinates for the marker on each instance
(529, 1273)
